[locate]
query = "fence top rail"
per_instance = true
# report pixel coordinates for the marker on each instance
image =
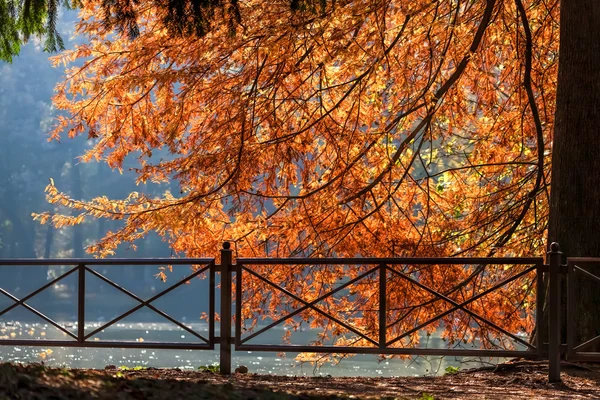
(393, 261)
(587, 260)
(103, 261)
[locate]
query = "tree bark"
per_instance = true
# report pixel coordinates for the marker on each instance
(77, 192)
(575, 194)
(49, 241)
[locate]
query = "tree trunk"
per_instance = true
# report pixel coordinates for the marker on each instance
(77, 192)
(575, 195)
(49, 241)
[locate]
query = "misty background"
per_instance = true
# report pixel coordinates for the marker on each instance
(27, 162)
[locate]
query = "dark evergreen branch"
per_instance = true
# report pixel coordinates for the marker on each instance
(22, 19)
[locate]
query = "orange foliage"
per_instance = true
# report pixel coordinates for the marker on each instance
(377, 128)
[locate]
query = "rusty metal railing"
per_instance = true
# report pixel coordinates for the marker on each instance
(584, 348)
(383, 266)
(548, 291)
(81, 268)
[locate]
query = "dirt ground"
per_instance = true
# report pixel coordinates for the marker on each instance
(520, 380)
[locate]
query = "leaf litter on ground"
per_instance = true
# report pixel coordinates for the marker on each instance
(519, 380)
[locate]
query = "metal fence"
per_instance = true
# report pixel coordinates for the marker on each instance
(81, 268)
(385, 268)
(584, 348)
(380, 272)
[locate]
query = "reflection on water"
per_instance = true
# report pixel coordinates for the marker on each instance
(257, 362)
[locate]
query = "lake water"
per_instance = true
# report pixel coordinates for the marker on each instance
(257, 362)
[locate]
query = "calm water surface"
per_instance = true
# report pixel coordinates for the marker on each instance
(257, 362)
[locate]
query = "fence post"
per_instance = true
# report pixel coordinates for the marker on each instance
(539, 309)
(81, 303)
(225, 344)
(382, 305)
(555, 261)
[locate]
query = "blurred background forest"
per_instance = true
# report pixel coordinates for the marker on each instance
(28, 161)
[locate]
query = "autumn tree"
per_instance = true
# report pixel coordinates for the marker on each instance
(377, 128)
